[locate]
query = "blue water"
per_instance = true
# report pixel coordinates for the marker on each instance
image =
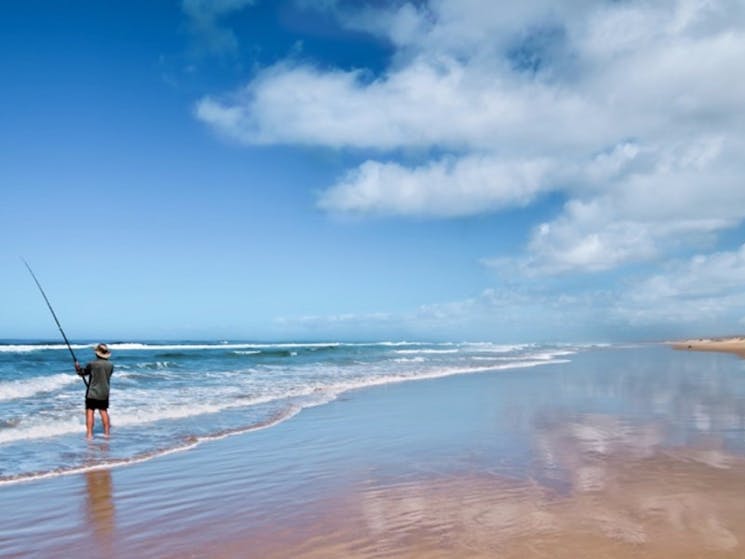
(168, 397)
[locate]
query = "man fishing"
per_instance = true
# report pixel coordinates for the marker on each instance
(98, 372)
(97, 394)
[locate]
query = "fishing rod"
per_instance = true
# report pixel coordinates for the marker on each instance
(54, 315)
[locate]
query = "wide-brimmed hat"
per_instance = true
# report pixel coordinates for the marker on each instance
(102, 350)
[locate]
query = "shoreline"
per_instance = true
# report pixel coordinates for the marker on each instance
(728, 344)
(334, 394)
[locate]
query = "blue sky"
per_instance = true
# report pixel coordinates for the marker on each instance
(302, 169)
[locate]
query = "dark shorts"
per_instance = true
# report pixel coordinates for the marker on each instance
(91, 404)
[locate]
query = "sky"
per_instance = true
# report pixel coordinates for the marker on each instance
(465, 170)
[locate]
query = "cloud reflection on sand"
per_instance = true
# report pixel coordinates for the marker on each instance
(625, 491)
(617, 490)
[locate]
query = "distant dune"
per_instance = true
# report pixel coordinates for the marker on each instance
(733, 344)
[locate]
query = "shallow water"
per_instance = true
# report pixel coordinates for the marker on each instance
(171, 396)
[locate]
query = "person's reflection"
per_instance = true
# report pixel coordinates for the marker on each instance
(100, 509)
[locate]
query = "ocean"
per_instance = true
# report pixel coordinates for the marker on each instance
(170, 396)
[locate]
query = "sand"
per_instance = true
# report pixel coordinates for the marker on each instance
(619, 454)
(732, 344)
(662, 506)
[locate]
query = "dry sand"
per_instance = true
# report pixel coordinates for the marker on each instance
(734, 344)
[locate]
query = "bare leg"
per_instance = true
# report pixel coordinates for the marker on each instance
(106, 422)
(89, 423)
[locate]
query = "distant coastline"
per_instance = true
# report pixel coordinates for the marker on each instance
(728, 344)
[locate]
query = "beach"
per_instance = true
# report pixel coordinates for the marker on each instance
(611, 452)
(730, 344)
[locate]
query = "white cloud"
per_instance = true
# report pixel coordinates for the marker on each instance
(701, 276)
(635, 206)
(583, 238)
(430, 102)
(448, 187)
(634, 111)
(705, 290)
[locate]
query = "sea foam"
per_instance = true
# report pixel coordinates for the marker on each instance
(25, 388)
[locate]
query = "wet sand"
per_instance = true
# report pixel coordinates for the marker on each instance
(631, 453)
(659, 507)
